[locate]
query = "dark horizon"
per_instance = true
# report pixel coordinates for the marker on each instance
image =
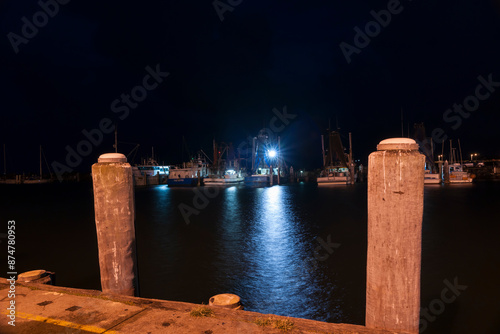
(226, 76)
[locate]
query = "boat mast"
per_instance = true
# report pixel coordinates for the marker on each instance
(432, 157)
(4, 162)
(323, 148)
(451, 152)
(351, 164)
(460, 150)
(214, 148)
(40, 162)
(432, 150)
(350, 148)
(442, 150)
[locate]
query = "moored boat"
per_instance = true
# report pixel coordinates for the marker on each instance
(458, 175)
(431, 178)
(230, 177)
(225, 169)
(267, 161)
(456, 172)
(150, 173)
(336, 162)
(191, 173)
(334, 175)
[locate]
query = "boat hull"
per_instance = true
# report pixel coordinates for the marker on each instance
(460, 177)
(257, 179)
(432, 178)
(340, 180)
(469, 180)
(221, 181)
(182, 182)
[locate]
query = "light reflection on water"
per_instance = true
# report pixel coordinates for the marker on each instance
(255, 242)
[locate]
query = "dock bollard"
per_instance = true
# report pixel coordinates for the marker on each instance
(37, 276)
(395, 210)
(226, 300)
(114, 218)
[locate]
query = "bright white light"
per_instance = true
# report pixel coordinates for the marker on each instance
(272, 153)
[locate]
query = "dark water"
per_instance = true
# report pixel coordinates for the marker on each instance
(260, 243)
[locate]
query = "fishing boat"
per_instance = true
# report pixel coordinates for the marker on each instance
(190, 174)
(431, 178)
(150, 173)
(33, 179)
(426, 146)
(456, 172)
(267, 161)
(230, 177)
(338, 167)
(458, 175)
(225, 169)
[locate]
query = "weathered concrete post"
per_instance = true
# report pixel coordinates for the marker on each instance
(395, 209)
(114, 218)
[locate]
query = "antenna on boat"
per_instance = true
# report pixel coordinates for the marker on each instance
(323, 148)
(442, 149)
(460, 150)
(47, 164)
(451, 152)
(214, 148)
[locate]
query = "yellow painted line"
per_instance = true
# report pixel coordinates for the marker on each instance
(92, 329)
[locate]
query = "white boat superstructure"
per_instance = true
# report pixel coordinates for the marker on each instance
(150, 173)
(191, 173)
(230, 177)
(432, 178)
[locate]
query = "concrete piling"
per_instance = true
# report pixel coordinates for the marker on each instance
(114, 217)
(395, 210)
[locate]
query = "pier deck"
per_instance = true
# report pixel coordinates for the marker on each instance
(51, 309)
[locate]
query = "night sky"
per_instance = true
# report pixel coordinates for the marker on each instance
(225, 77)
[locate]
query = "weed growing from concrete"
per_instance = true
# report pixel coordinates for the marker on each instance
(283, 325)
(202, 311)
